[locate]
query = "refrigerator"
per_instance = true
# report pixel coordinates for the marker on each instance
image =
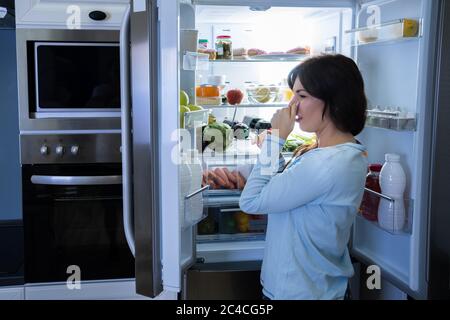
(186, 234)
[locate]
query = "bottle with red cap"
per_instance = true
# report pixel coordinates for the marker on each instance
(370, 202)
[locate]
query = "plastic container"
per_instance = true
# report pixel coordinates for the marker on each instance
(208, 95)
(388, 31)
(224, 47)
(203, 44)
(261, 94)
(391, 214)
(370, 202)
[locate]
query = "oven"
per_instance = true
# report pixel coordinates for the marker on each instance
(72, 208)
(68, 79)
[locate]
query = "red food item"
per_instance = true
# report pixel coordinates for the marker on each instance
(370, 202)
(235, 96)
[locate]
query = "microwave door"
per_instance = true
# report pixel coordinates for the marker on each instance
(140, 145)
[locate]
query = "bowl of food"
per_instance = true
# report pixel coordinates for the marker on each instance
(262, 94)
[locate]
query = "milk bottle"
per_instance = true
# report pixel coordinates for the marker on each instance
(391, 215)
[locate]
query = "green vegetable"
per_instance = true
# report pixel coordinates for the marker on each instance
(218, 136)
(294, 141)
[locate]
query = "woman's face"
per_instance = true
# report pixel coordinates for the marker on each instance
(309, 109)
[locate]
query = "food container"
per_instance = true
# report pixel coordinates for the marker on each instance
(262, 94)
(217, 80)
(391, 30)
(224, 47)
(208, 95)
(229, 223)
(224, 178)
(203, 44)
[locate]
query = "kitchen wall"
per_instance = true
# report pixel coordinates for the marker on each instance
(11, 235)
(10, 180)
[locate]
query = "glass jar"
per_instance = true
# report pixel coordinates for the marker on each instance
(224, 47)
(370, 202)
(203, 44)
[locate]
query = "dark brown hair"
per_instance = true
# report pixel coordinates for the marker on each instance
(336, 80)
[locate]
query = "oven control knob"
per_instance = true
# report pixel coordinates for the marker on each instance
(97, 15)
(74, 150)
(60, 150)
(44, 150)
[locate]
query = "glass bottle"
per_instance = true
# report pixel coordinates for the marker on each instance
(370, 202)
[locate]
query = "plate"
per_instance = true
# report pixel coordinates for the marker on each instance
(281, 56)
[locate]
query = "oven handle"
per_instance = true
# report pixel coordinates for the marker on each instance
(128, 223)
(76, 180)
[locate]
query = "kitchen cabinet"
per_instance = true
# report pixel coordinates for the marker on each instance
(48, 14)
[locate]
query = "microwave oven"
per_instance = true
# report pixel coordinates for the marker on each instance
(68, 80)
(76, 77)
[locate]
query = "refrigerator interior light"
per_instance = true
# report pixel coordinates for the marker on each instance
(3, 12)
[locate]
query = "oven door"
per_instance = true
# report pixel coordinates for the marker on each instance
(73, 221)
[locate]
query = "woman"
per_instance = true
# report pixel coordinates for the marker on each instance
(311, 203)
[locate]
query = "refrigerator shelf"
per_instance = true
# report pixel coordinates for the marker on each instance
(223, 193)
(390, 32)
(222, 237)
(249, 105)
(264, 58)
(392, 217)
(221, 201)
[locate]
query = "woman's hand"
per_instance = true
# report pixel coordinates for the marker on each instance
(260, 138)
(283, 120)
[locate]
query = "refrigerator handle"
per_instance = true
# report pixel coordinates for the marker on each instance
(126, 129)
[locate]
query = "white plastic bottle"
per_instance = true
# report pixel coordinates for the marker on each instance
(391, 215)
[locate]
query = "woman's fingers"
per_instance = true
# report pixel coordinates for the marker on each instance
(293, 109)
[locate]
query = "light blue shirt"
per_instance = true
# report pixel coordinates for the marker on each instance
(311, 207)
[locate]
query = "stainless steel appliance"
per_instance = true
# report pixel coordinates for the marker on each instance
(72, 207)
(68, 79)
(70, 143)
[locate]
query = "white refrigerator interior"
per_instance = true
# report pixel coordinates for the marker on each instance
(393, 64)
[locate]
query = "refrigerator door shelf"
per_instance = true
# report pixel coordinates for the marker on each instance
(391, 31)
(394, 216)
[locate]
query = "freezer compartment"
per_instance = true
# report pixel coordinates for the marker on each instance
(230, 224)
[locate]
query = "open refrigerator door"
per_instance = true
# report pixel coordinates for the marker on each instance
(392, 43)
